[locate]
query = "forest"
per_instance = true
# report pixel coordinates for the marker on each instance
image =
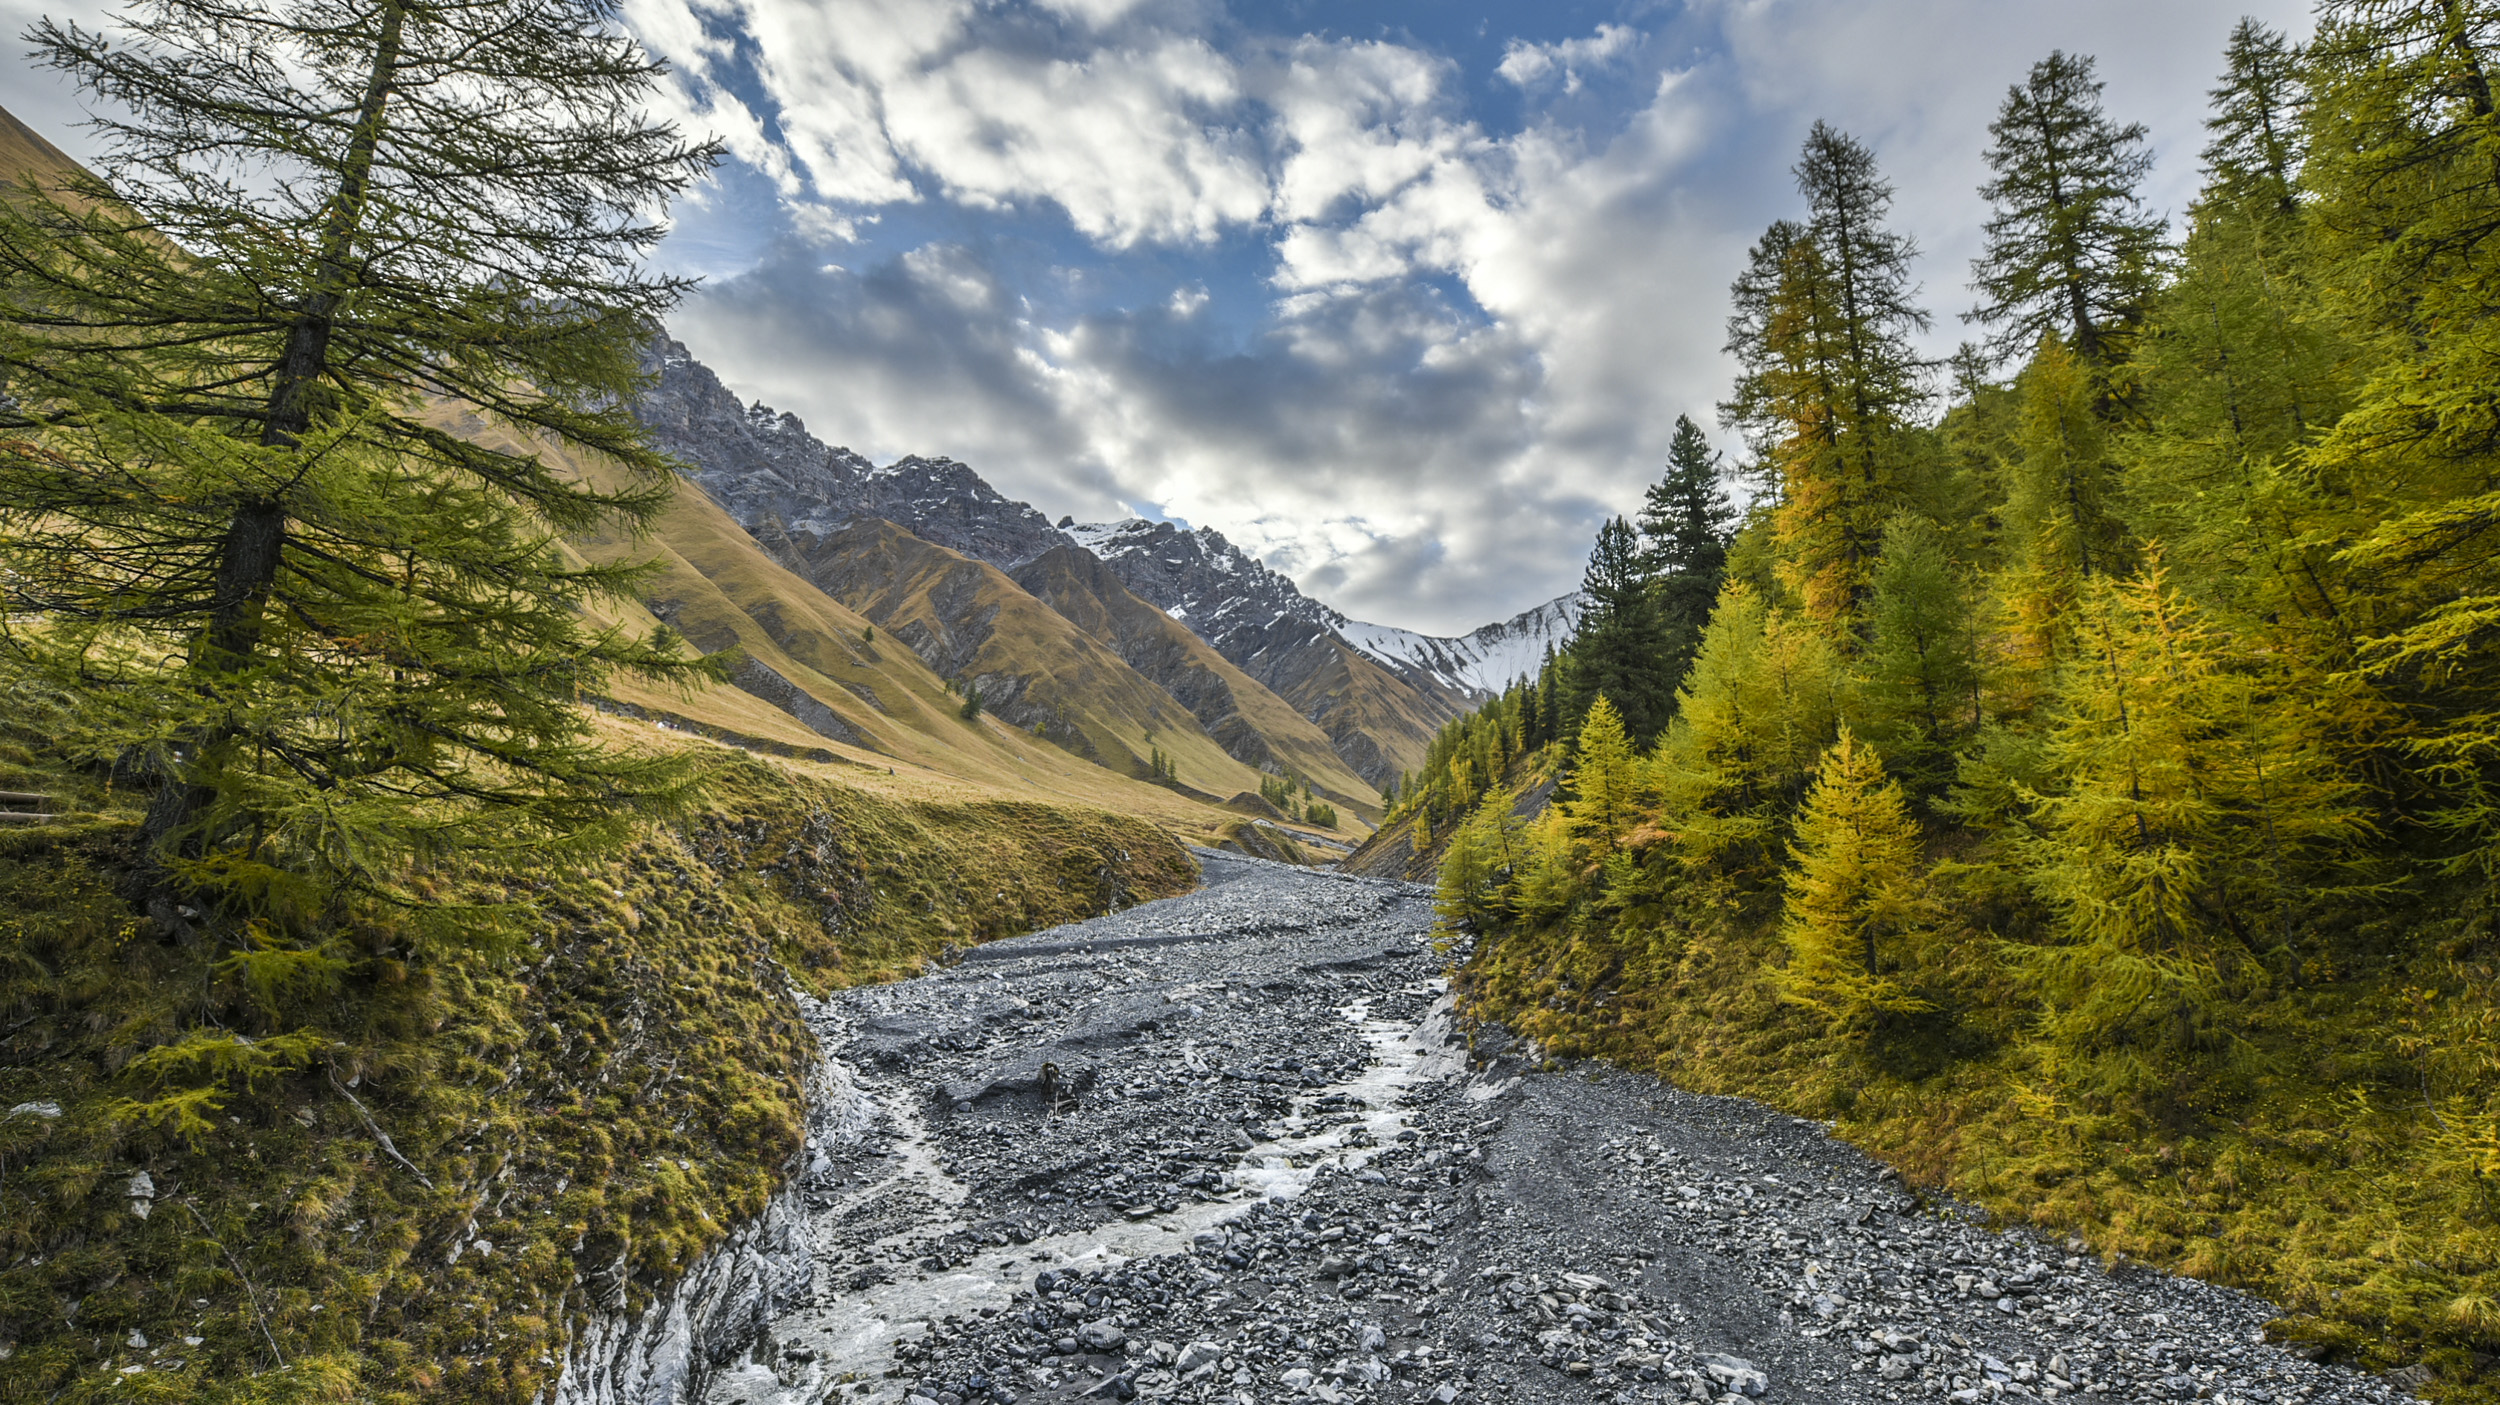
(2076, 772)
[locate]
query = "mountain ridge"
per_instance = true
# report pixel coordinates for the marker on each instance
(1377, 706)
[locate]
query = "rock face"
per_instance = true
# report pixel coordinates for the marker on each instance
(765, 468)
(671, 1350)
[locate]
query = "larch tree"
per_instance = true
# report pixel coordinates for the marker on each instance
(302, 395)
(1852, 902)
(2252, 156)
(1917, 691)
(1821, 329)
(1605, 779)
(2070, 249)
(2195, 810)
(2406, 212)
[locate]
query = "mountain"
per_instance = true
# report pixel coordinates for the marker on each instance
(1034, 668)
(1381, 715)
(1486, 660)
(785, 486)
(1249, 720)
(766, 469)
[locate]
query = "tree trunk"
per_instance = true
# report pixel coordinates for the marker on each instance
(254, 547)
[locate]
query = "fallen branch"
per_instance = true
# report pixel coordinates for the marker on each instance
(378, 1134)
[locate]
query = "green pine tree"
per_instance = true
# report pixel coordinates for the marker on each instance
(1620, 650)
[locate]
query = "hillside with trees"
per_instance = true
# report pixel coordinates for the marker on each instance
(2078, 775)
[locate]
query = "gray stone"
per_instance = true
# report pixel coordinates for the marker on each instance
(1198, 1354)
(1101, 1335)
(1739, 1376)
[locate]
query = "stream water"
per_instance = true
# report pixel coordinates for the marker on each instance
(851, 1334)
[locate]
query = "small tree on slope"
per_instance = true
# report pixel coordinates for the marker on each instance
(1852, 895)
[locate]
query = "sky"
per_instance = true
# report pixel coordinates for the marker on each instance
(1402, 296)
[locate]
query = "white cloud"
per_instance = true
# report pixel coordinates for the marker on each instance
(1129, 141)
(1527, 64)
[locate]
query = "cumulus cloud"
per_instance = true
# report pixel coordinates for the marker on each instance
(1527, 64)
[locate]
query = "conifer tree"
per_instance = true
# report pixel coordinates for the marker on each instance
(2070, 249)
(1477, 865)
(1852, 894)
(1620, 649)
(2406, 214)
(299, 399)
(2196, 810)
(1821, 330)
(1685, 521)
(2061, 510)
(1754, 713)
(1605, 780)
(2252, 160)
(1918, 678)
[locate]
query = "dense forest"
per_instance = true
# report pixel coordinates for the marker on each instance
(2077, 775)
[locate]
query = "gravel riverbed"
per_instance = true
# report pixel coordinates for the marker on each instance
(1230, 1147)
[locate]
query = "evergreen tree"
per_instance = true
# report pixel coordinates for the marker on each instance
(1853, 893)
(2253, 158)
(2070, 249)
(1821, 330)
(1620, 650)
(299, 399)
(1684, 525)
(1918, 678)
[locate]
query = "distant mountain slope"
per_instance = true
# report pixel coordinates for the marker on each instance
(774, 477)
(1250, 721)
(1381, 714)
(1035, 669)
(1486, 660)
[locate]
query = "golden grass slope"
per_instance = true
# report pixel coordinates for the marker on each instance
(1241, 713)
(816, 678)
(1032, 665)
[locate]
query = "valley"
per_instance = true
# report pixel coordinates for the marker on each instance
(1236, 1146)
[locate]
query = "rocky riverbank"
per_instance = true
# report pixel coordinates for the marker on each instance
(1231, 1147)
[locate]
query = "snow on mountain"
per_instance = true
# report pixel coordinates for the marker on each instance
(1485, 660)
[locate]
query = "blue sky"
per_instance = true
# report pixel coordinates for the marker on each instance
(1403, 296)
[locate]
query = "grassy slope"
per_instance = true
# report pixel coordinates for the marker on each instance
(588, 1111)
(1084, 591)
(720, 587)
(971, 620)
(1365, 709)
